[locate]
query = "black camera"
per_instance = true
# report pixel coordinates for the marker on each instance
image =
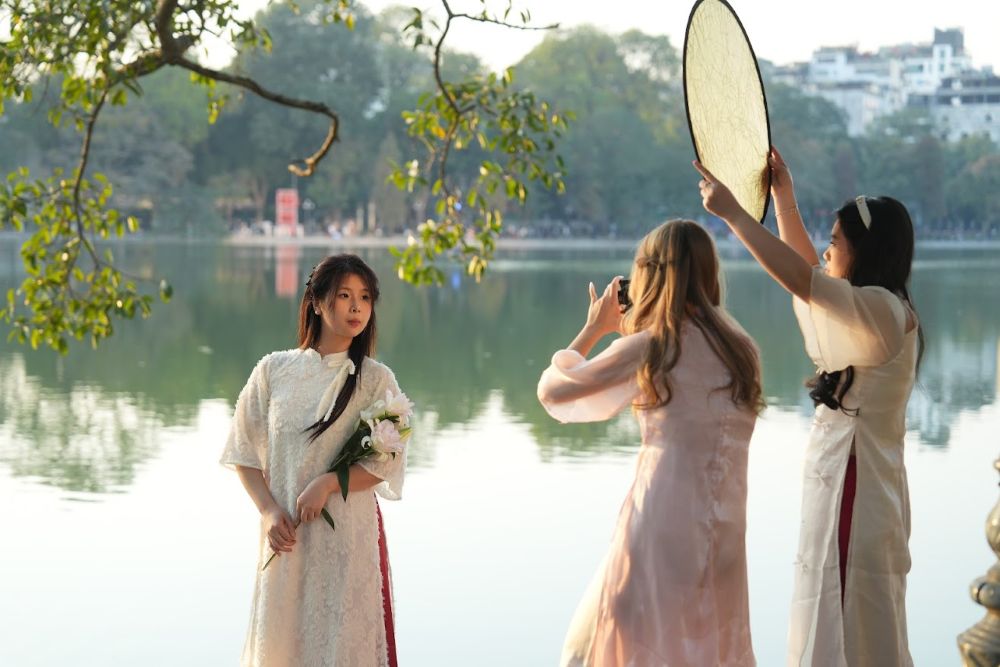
(623, 299)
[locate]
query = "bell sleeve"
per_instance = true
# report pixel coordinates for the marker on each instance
(576, 389)
(844, 325)
(391, 471)
(247, 443)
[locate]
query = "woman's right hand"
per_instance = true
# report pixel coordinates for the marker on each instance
(782, 189)
(605, 313)
(280, 530)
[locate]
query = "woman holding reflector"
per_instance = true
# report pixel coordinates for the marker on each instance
(861, 330)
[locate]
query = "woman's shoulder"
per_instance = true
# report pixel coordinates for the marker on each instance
(901, 312)
(376, 370)
(879, 291)
(637, 339)
(281, 358)
(279, 361)
(737, 328)
(630, 345)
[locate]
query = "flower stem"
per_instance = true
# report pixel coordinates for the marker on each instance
(275, 553)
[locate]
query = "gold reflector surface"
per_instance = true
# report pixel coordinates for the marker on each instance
(726, 108)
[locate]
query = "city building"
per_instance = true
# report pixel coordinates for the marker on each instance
(938, 76)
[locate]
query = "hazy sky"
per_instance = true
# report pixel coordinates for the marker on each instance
(781, 30)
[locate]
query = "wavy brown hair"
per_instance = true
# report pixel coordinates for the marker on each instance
(676, 277)
(322, 286)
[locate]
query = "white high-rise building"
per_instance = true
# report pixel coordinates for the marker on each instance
(863, 85)
(938, 76)
(965, 106)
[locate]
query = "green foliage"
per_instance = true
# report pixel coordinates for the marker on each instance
(71, 289)
(628, 148)
(97, 52)
(515, 134)
(518, 133)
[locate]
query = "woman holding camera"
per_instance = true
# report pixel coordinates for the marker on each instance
(673, 587)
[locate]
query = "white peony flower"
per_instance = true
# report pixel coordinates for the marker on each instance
(398, 405)
(374, 410)
(385, 439)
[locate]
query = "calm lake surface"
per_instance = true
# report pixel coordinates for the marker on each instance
(125, 543)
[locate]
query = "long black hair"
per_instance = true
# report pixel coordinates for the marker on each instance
(325, 279)
(881, 255)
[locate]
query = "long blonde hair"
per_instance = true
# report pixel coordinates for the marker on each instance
(676, 276)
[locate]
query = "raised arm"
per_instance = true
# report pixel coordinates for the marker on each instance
(778, 258)
(576, 389)
(604, 316)
(790, 227)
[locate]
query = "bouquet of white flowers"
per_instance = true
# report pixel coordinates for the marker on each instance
(380, 434)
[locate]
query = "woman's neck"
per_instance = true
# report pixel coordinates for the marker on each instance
(332, 344)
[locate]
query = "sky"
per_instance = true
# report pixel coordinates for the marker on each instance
(782, 31)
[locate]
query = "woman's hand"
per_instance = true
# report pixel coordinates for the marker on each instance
(280, 530)
(605, 313)
(311, 501)
(782, 188)
(716, 197)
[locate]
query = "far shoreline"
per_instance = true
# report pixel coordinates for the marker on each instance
(503, 244)
(571, 243)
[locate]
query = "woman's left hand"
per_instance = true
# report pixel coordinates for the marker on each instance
(715, 196)
(312, 501)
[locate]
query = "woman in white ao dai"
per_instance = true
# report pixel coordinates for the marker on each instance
(861, 330)
(326, 599)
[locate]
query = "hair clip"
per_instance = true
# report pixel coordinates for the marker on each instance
(866, 215)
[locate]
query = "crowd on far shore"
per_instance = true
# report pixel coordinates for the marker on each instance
(352, 229)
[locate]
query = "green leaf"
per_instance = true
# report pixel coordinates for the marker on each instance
(344, 478)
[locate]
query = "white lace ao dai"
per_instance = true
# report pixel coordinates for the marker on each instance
(321, 604)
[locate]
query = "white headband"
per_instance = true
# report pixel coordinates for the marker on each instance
(866, 215)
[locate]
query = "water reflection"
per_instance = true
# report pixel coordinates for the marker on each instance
(286, 271)
(457, 350)
(79, 438)
(961, 366)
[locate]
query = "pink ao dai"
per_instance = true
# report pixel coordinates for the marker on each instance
(673, 587)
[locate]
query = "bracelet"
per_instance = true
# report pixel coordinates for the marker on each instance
(786, 210)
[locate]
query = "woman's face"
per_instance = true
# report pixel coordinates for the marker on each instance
(839, 254)
(346, 312)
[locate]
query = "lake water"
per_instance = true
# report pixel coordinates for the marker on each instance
(125, 543)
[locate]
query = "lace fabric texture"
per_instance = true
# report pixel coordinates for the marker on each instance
(673, 587)
(321, 604)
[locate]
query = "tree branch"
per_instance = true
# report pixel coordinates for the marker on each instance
(515, 26)
(448, 94)
(254, 87)
(173, 54)
(80, 169)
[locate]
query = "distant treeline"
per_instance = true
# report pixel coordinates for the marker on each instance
(627, 151)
